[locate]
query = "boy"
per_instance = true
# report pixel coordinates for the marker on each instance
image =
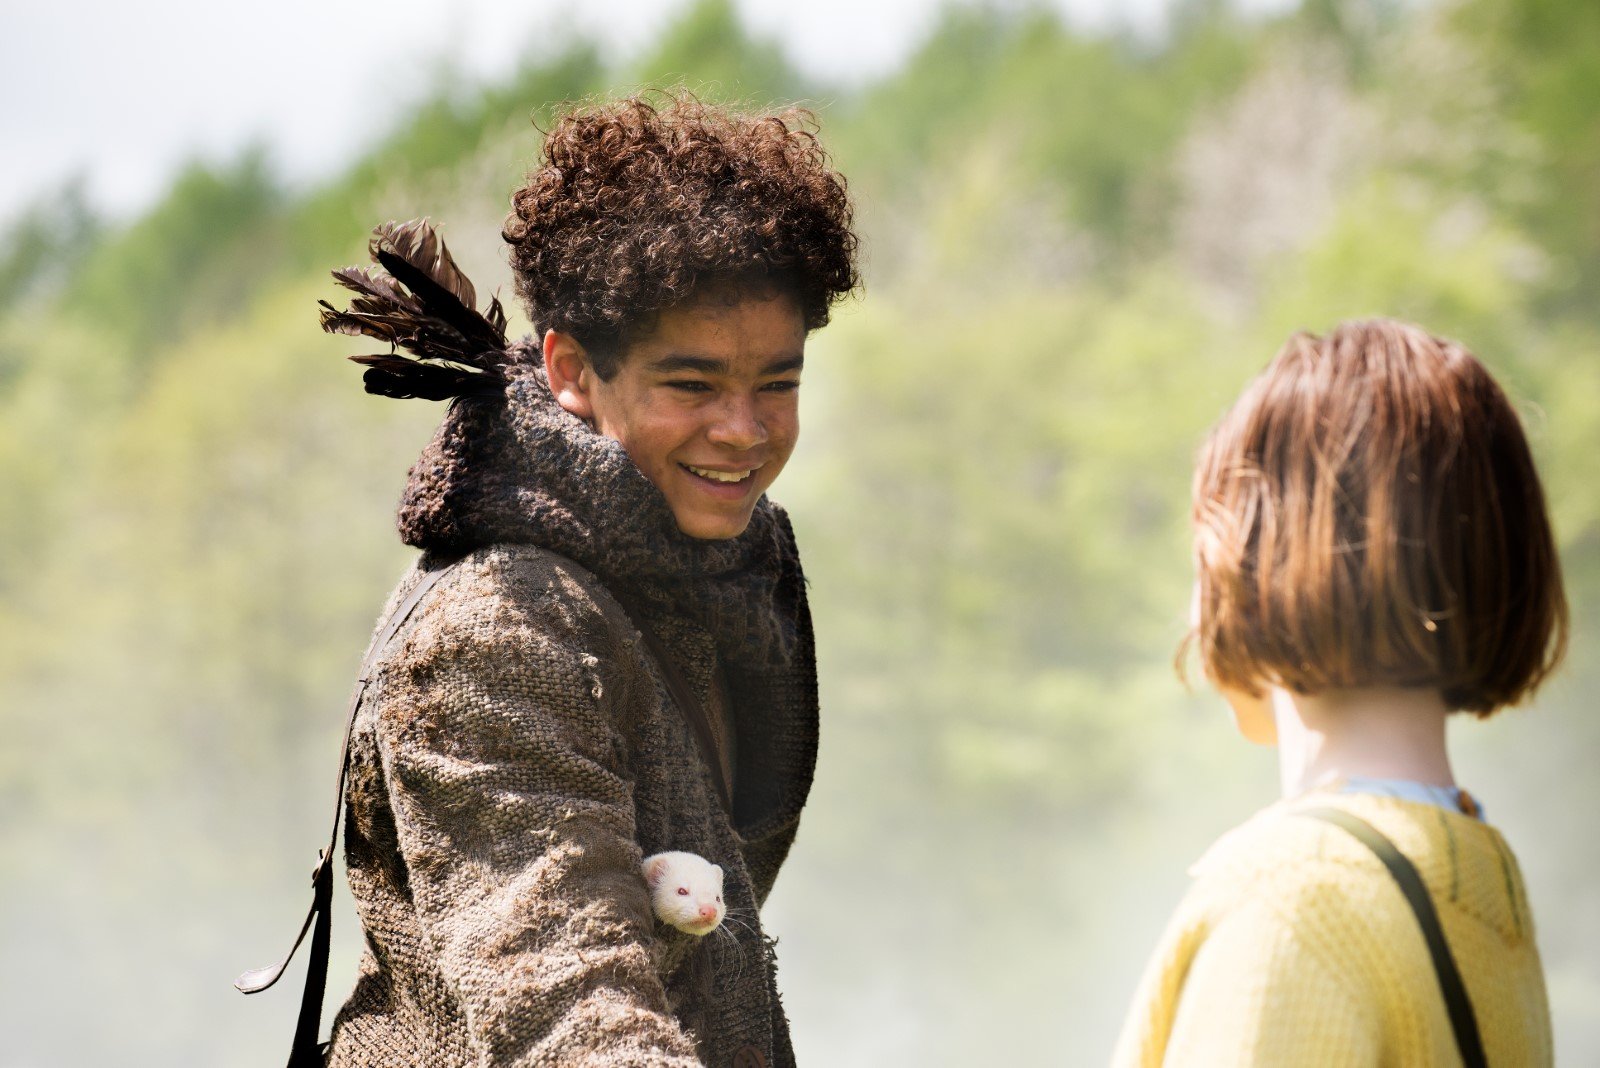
(532, 733)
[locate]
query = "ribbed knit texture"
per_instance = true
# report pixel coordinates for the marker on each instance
(517, 755)
(1294, 946)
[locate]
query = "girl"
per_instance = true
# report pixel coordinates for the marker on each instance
(1373, 555)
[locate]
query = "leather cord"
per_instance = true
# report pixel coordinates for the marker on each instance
(1462, 1020)
(306, 1052)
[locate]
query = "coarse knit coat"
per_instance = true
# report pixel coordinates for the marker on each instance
(517, 754)
(1295, 946)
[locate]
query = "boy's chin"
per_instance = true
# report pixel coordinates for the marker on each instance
(711, 527)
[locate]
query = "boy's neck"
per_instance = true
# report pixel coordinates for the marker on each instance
(1379, 733)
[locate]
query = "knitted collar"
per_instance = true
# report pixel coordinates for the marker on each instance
(525, 470)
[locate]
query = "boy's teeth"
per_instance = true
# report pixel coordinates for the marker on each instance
(721, 476)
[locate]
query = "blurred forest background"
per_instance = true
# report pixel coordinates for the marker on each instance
(1079, 246)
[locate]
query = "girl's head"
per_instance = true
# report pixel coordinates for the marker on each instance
(1368, 515)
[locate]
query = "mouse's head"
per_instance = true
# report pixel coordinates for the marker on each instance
(685, 891)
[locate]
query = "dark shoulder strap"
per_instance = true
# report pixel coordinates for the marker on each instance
(306, 1052)
(689, 706)
(1462, 1019)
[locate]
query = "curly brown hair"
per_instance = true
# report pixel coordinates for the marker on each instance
(636, 206)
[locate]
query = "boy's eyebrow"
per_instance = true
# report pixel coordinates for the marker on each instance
(678, 362)
(711, 365)
(782, 365)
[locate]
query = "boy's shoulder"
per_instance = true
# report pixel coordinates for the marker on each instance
(529, 579)
(510, 594)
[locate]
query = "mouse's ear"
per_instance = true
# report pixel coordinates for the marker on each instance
(653, 869)
(718, 869)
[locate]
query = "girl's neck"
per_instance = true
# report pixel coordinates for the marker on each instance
(1379, 733)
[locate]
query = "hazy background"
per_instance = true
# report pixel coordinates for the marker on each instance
(1085, 224)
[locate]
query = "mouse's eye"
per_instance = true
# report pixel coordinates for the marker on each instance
(683, 891)
(719, 899)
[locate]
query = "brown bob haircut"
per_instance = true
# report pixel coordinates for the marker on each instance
(1368, 514)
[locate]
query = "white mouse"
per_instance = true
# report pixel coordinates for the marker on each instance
(685, 891)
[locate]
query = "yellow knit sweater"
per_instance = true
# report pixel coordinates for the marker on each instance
(1294, 946)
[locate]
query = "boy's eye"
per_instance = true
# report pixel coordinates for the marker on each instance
(787, 385)
(690, 385)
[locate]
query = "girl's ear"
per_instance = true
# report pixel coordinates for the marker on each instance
(571, 377)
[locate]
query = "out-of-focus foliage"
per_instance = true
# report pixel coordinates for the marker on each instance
(193, 261)
(709, 48)
(439, 149)
(1083, 125)
(44, 244)
(1542, 59)
(1079, 249)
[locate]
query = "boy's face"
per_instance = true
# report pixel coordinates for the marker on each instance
(707, 405)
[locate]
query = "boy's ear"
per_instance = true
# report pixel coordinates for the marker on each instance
(571, 376)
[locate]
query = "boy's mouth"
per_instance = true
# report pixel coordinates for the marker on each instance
(725, 477)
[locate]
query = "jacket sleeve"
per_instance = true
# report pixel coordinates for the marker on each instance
(515, 822)
(1257, 994)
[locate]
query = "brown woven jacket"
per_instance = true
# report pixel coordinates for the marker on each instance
(518, 754)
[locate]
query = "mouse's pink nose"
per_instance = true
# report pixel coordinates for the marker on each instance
(708, 912)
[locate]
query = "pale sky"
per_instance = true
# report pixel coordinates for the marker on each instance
(124, 91)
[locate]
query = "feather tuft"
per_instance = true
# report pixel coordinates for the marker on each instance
(394, 376)
(418, 244)
(419, 300)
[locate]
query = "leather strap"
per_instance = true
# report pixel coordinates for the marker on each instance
(1462, 1020)
(306, 1052)
(689, 706)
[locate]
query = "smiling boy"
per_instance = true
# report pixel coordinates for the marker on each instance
(706, 405)
(523, 743)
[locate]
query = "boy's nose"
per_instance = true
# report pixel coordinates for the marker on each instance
(739, 425)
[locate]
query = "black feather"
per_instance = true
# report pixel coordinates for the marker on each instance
(439, 303)
(496, 315)
(380, 287)
(398, 377)
(422, 302)
(419, 259)
(418, 244)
